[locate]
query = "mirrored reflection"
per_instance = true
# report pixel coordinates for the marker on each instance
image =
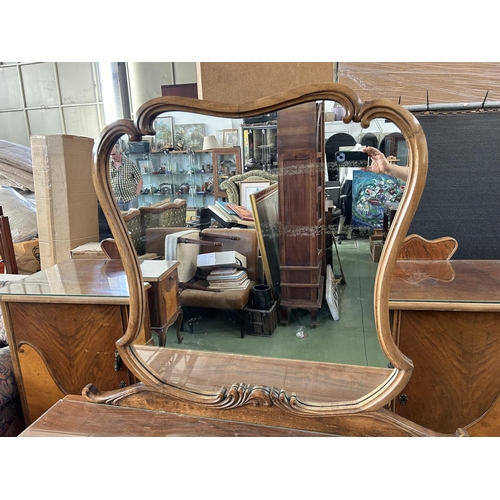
(185, 171)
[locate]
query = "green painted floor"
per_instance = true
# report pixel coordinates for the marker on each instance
(351, 339)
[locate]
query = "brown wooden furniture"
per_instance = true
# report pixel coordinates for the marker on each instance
(446, 318)
(164, 305)
(301, 208)
(415, 247)
(74, 416)
(7, 253)
(195, 292)
(62, 324)
(251, 396)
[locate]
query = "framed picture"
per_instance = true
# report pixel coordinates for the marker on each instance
(249, 188)
(145, 166)
(265, 208)
(229, 137)
(189, 136)
(164, 126)
(220, 137)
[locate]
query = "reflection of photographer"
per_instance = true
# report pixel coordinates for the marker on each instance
(380, 165)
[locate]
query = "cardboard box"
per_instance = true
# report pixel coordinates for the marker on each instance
(88, 251)
(66, 202)
(221, 259)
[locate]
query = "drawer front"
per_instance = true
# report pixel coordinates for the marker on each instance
(172, 280)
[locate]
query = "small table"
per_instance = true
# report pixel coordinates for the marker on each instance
(165, 309)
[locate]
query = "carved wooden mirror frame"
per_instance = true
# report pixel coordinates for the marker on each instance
(244, 396)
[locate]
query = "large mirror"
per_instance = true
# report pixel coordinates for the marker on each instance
(337, 365)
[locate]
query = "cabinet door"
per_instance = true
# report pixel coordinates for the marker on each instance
(61, 348)
(260, 147)
(226, 163)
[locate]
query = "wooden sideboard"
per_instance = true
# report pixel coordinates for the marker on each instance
(62, 324)
(446, 318)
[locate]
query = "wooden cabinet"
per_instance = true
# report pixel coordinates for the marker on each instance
(301, 208)
(446, 319)
(226, 163)
(62, 325)
(164, 306)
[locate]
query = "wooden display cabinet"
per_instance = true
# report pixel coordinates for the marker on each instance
(301, 208)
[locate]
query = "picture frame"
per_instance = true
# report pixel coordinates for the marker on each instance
(164, 138)
(220, 137)
(189, 136)
(265, 208)
(251, 187)
(229, 137)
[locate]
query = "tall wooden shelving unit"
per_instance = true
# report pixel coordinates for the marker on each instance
(301, 208)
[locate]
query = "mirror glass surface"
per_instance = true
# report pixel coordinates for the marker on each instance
(174, 165)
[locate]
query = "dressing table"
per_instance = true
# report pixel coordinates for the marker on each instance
(446, 318)
(62, 324)
(178, 387)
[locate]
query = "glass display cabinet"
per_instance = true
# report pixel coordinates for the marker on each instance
(176, 174)
(259, 146)
(227, 163)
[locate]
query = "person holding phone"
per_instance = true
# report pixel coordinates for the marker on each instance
(380, 165)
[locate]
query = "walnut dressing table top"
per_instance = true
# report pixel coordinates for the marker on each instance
(455, 285)
(96, 280)
(73, 416)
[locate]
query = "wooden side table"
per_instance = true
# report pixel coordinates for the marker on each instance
(164, 306)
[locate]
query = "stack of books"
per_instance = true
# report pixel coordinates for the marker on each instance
(228, 278)
(229, 214)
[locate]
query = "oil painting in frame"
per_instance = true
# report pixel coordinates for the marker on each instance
(189, 136)
(164, 138)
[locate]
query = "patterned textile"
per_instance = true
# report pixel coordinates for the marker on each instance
(135, 229)
(124, 180)
(8, 388)
(3, 332)
(169, 214)
(174, 215)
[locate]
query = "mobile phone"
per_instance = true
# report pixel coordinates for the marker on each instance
(355, 158)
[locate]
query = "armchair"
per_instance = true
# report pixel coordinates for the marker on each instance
(198, 294)
(195, 291)
(164, 214)
(231, 185)
(133, 220)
